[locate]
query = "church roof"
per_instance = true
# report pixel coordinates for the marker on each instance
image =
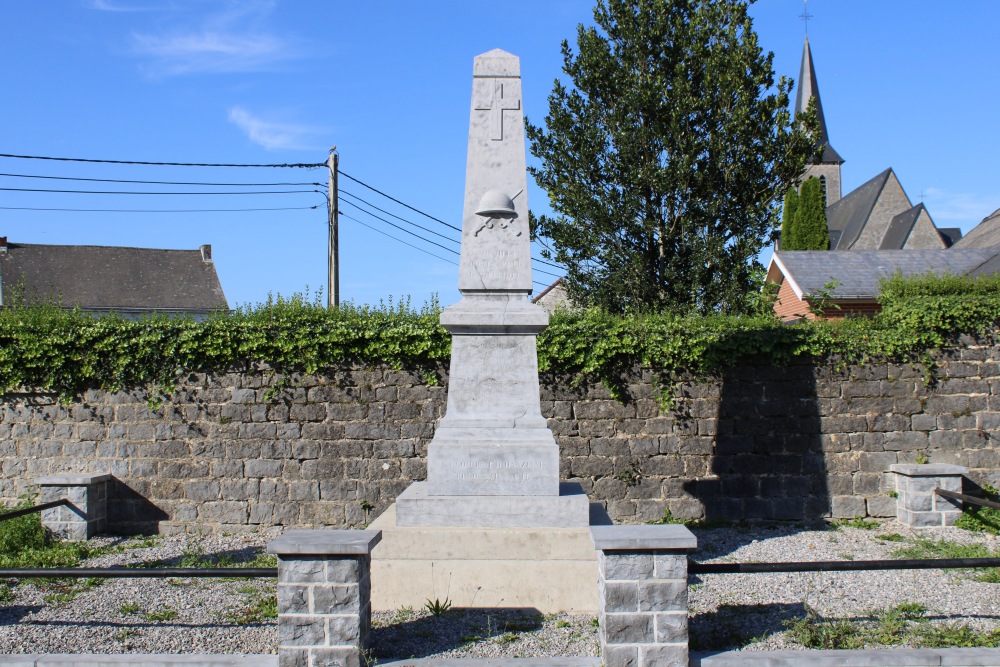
(809, 88)
(983, 235)
(848, 216)
(856, 274)
(900, 227)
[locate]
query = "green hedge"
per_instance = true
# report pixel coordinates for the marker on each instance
(45, 347)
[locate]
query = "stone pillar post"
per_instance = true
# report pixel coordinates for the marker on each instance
(917, 505)
(324, 596)
(643, 609)
(86, 516)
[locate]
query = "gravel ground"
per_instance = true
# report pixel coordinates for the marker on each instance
(749, 611)
(727, 611)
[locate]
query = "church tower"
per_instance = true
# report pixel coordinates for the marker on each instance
(826, 164)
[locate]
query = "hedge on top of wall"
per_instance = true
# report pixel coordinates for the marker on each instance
(45, 347)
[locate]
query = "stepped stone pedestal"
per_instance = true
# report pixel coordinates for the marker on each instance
(492, 526)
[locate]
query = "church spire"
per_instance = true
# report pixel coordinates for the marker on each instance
(808, 88)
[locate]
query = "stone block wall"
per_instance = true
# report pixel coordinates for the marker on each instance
(243, 450)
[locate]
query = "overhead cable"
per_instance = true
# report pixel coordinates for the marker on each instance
(115, 180)
(300, 165)
(430, 231)
(402, 229)
(128, 192)
(159, 210)
(415, 210)
(375, 229)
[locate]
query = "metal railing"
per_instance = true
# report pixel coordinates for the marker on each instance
(967, 499)
(138, 573)
(842, 565)
(13, 514)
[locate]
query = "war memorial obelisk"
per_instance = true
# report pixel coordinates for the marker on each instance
(492, 523)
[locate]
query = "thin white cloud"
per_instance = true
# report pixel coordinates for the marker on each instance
(107, 6)
(228, 41)
(959, 207)
(273, 135)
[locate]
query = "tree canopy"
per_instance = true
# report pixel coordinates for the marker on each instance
(666, 156)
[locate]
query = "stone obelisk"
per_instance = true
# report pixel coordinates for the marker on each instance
(493, 460)
(492, 526)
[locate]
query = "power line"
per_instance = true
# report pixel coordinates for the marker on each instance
(127, 192)
(402, 229)
(159, 210)
(114, 180)
(415, 210)
(300, 165)
(430, 231)
(375, 229)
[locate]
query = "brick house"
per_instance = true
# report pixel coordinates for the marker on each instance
(821, 283)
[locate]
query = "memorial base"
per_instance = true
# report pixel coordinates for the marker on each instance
(543, 568)
(570, 509)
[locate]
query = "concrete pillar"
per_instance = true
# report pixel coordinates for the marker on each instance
(917, 505)
(87, 514)
(324, 596)
(642, 595)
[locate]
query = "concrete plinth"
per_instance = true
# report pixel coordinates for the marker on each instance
(548, 569)
(570, 509)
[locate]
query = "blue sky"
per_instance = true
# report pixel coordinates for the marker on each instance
(905, 83)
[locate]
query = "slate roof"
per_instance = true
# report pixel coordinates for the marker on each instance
(858, 271)
(950, 235)
(984, 235)
(900, 228)
(104, 277)
(808, 88)
(848, 216)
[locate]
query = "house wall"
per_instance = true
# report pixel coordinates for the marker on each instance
(798, 442)
(788, 305)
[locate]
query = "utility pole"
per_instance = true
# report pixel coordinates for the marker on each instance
(333, 249)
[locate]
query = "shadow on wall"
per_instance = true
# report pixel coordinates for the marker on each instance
(767, 463)
(130, 512)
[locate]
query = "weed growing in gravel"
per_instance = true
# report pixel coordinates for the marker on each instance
(129, 608)
(258, 610)
(66, 590)
(125, 634)
(958, 635)
(404, 614)
(856, 522)
(6, 594)
(163, 614)
(437, 607)
(903, 624)
(927, 548)
(891, 537)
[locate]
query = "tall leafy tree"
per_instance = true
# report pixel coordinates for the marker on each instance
(788, 219)
(811, 232)
(666, 157)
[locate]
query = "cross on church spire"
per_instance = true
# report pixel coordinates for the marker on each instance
(497, 104)
(805, 15)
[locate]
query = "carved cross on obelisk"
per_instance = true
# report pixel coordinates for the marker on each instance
(497, 103)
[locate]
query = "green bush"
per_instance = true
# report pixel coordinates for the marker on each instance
(24, 543)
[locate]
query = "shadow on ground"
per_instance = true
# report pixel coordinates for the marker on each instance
(455, 628)
(735, 626)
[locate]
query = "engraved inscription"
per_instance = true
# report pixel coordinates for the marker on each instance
(497, 104)
(510, 471)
